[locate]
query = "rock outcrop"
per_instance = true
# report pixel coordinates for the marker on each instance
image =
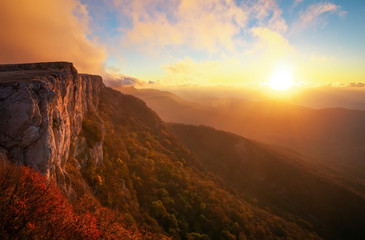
(42, 106)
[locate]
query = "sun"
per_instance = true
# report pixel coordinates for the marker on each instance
(282, 78)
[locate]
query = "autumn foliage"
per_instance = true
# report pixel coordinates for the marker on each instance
(149, 174)
(33, 208)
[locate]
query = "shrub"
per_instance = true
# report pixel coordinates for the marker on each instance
(33, 208)
(92, 128)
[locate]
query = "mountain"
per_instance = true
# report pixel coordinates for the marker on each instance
(350, 97)
(333, 137)
(276, 179)
(45, 109)
(169, 106)
(145, 163)
(123, 169)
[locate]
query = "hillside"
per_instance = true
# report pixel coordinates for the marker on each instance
(333, 137)
(34, 208)
(144, 163)
(170, 107)
(271, 178)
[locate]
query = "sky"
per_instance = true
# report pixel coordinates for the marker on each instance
(156, 43)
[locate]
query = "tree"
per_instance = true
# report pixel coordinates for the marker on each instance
(32, 207)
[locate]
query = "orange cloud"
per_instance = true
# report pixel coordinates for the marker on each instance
(229, 71)
(43, 30)
(187, 72)
(205, 25)
(210, 25)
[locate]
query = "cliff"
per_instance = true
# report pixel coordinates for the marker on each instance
(42, 108)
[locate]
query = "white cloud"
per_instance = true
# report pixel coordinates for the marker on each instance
(315, 14)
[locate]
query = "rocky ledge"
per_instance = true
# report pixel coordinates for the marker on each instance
(42, 106)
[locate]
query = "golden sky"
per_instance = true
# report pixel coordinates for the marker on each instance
(191, 43)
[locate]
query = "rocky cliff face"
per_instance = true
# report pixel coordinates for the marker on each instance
(42, 107)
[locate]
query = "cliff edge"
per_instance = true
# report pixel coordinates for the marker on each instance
(42, 107)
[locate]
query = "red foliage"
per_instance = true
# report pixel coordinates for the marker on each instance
(33, 208)
(111, 223)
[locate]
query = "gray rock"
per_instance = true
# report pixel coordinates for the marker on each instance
(42, 106)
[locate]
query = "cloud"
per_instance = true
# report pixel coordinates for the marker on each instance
(210, 26)
(187, 72)
(315, 14)
(43, 30)
(226, 71)
(268, 14)
(201, 25)
(121, 80)
(272, 44)
(320, 59)
(296, 3)
(356, 85)
(339, 84)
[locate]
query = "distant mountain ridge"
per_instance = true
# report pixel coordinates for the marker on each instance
(275, 180)
(333, 136)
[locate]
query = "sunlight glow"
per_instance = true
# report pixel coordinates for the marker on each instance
(282, 78)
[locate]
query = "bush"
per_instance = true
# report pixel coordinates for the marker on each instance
(33, 208)
(92, 128)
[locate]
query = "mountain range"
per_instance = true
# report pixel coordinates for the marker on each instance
(333, 137)
(123, 173)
